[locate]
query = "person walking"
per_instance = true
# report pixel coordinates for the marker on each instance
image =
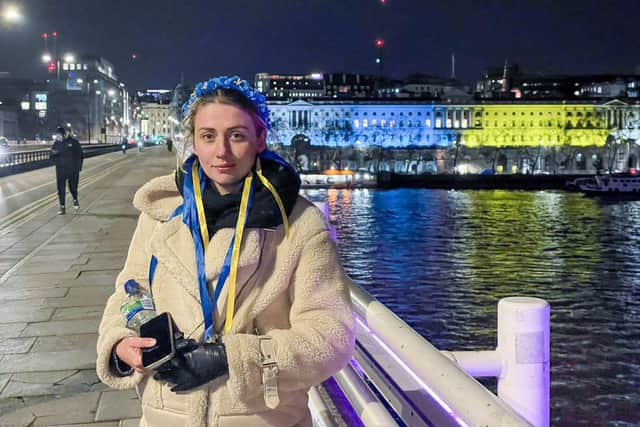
(66, 154)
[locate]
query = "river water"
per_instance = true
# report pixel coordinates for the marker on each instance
(442, 259)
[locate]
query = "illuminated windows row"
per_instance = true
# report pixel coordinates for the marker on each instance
(357, 123)
(74, 67)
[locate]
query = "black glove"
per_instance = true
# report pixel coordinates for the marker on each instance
(193, 365)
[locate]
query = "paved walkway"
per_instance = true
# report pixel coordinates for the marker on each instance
(56, 273)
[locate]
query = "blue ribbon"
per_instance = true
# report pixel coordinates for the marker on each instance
(190, 219)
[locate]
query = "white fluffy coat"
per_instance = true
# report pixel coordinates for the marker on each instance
(292, 289)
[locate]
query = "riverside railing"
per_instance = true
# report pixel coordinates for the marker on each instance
(396, 374)
(12, 162)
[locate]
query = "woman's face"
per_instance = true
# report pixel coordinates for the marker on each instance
(226, 144)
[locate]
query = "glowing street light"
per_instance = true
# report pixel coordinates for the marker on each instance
(11, 13)
(46, 58)
(69, 57)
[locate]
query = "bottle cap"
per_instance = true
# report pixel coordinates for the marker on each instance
(131, 287)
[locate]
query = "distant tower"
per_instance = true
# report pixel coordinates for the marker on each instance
(505, 76)
(380, 56)
(453, 66)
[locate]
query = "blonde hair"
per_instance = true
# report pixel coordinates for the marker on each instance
(219, 96)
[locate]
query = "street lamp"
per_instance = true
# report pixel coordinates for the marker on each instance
(11, 14)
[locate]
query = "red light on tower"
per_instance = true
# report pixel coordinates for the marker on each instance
(51, 67)
(379, 43)
(54, 34)
(45, 36)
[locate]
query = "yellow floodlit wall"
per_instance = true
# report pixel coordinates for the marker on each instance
(532, 125)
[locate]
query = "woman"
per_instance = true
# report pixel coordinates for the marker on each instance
(245, 267)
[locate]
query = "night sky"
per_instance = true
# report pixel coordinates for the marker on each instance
(206, 38)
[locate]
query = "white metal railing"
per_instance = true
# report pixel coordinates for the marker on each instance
(395, 367)
(521, 359)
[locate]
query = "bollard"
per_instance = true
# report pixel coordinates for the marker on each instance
(523, 344)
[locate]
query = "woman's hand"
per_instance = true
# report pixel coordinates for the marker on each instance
(194, 365)
(129, 350)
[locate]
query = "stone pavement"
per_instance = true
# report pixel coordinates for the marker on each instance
(56, 273)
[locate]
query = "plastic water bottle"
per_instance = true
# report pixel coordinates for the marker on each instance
(138, 307)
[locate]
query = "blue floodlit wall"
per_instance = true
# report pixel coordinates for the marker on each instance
(361, 124)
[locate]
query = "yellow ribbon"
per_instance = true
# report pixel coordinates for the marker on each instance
(276, 196)
(235, 253)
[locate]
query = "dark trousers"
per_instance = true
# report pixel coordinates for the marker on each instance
(62, 176)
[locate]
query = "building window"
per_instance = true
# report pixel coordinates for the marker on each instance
(356, 123)
(365, 123)
(25, 105)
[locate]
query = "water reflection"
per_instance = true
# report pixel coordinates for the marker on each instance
(443, 259)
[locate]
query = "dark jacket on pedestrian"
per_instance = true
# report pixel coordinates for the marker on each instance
(67, 155)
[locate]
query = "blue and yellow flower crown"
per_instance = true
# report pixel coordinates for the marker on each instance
(235, 83)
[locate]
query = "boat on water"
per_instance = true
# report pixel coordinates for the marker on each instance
(614, 184)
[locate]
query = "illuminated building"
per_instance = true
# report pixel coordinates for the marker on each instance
(85, 91)
(506, 137)
(288, 86)
(154, 113)
(510, 83)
